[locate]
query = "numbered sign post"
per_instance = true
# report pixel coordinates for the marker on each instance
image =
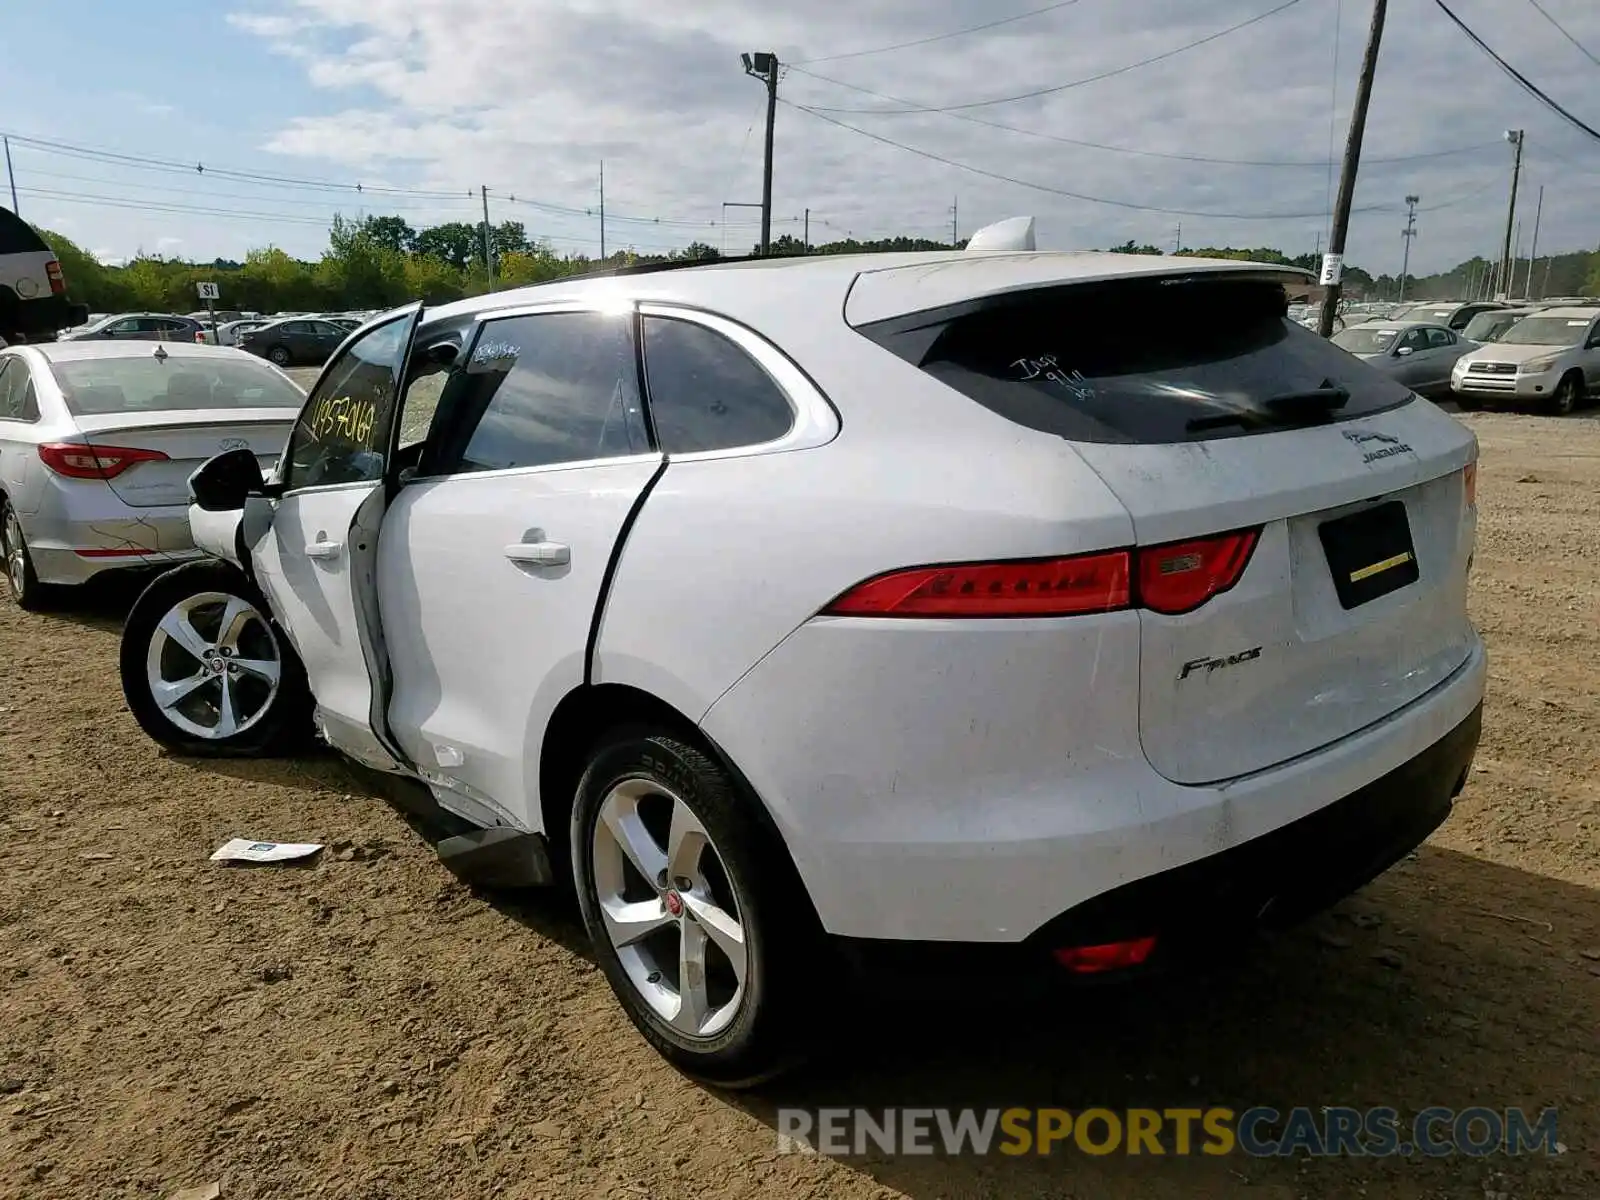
(209, 292)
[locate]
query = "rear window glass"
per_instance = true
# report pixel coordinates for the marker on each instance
(1363, 339)
(96, 386)
(1146, 361)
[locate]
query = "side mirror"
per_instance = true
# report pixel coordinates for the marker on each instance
(224, 481)
(1403, 351)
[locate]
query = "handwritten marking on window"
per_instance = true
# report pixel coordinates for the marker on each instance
(1048, 368)
(348, 419)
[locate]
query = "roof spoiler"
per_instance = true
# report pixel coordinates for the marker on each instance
(1014, 233)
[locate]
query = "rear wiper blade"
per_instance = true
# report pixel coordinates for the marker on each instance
(1326, 398)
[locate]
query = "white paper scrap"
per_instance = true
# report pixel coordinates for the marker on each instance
(244, 850)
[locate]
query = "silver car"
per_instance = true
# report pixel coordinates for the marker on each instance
(97, 442)
(1416, 353)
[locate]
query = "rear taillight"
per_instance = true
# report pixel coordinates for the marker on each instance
(1049, 587)
(1469, 479)
(199, 335)
(1111, 956)
(1174, 578)
(58, 281)
(1181, 576)
(80, 460)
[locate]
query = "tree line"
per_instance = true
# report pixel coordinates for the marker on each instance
(380, 261)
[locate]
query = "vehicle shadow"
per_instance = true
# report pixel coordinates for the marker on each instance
(102, 603)
(1449, 981)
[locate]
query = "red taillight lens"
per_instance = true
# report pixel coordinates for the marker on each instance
(1469, 477)
(1113, 956)
(58, 281)
(79, 460)
(1051, 587)
(1181, 576)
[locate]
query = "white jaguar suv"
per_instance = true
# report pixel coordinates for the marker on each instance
(1073, 609)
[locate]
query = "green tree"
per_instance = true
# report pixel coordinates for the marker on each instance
(357, 272)
(508, 237)
(454, 242)
(392, 233)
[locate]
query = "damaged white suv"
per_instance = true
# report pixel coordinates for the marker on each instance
(1071, 609)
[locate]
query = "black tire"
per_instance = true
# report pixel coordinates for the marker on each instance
(279, 724)
(279, 356)
(1568, 395)
(771, 1029)
(21, 579)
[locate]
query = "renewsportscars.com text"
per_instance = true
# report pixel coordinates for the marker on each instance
(1259, 1132)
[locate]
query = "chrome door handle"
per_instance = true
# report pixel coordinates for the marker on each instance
(540, 554)
(322, 548)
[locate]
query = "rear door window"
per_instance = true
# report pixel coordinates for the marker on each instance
(14, 386)
(706, 393)
(541, 390)
(1143, 361)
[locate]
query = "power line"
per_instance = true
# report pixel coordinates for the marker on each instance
(1210, 160)
(938, 37)
(435, 206)
(1055, 191)
(1061, 87)
(1527, 84)
(1562, 29)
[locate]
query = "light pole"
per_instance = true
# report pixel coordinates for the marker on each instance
(1409, 232)
(763, 65)
(1515, 137)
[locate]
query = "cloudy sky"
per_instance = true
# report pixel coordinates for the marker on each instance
(424, 101)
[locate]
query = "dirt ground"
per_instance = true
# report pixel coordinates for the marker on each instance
(370, 1028)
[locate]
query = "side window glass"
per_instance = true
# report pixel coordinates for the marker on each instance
(706, 393)
(297, 327)
(12, 375)
(343, 429)
(1440, 337)
(1415, 339)
(124, 328)
(544, 389)
(29, 408)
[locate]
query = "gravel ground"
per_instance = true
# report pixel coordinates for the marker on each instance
(368, 1027)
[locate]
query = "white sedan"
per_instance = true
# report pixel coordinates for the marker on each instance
(889, 605)
(97, 442)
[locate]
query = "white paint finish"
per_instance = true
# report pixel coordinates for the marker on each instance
(728, 556)
(974, 788)
(483, 647)
(1323, 672)
(315, 600)
(216, 532)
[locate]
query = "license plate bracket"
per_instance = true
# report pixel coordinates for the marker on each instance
(1370, 553)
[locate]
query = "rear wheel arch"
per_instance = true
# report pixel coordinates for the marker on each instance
(583, 719)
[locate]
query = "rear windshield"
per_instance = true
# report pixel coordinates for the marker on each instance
(1146, 361)
(1364, 339)
(1547, 331)
(97, 386)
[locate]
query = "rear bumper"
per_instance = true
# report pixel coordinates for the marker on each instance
(1034, 843)
(78, 532)
(1197, 911)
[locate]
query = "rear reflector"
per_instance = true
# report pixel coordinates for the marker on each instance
(80, 460)
(1181, 576)
(1174, 578)
(1048, 587)
(1112, 956)
(58, 281)
(113, 552)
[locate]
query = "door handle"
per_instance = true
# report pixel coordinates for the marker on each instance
(322, 548)
(540, 554)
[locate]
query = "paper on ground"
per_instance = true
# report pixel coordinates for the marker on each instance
(244, 850)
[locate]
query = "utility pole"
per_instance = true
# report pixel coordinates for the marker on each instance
(1409, 232)
(955, 221)
(1515, 137)
(763, 65)
(1533, 250)
(1177, 247)
(1333, 260)
(488, 253)
(12, 175)
(1544, 288)
(807, 231)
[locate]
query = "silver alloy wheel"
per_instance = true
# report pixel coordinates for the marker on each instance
(213, 665)
(669, 908)
(16, 553)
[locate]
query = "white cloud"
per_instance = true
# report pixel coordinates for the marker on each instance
(528, 98)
